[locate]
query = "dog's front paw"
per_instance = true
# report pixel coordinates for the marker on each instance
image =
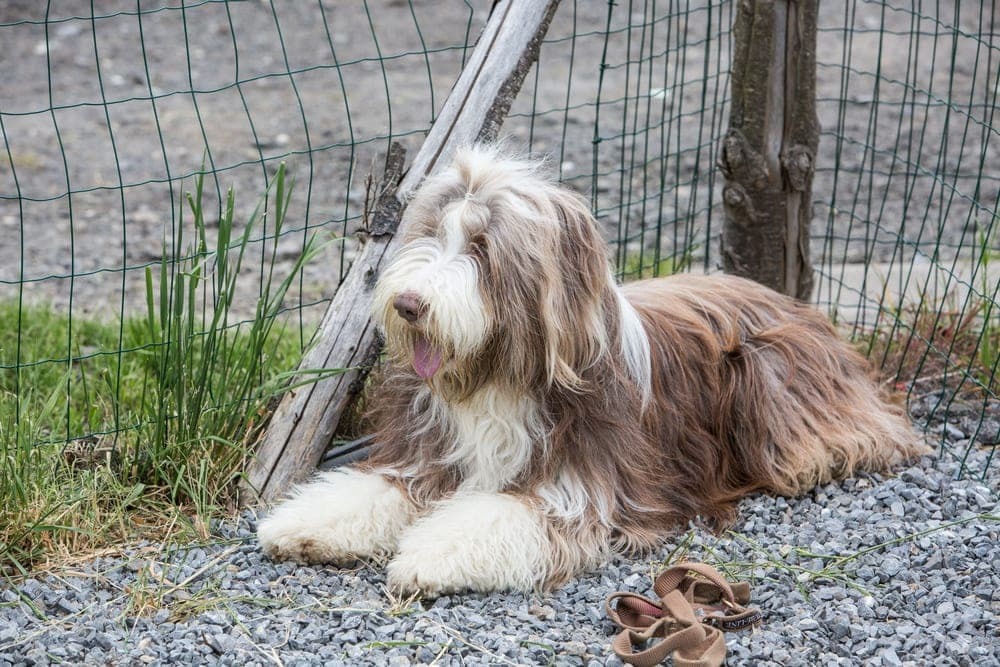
(338, 518)
(474, 541)
(289, 540)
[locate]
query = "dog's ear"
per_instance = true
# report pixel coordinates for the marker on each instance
(574, 293)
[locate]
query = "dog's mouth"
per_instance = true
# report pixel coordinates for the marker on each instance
(426, 357)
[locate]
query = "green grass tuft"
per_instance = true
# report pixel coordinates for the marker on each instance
(650, 264)
(144, 428)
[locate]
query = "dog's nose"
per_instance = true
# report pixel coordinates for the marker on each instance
(409, 306)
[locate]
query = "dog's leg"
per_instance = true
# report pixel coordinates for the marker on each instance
(473, 541)
(339, 517)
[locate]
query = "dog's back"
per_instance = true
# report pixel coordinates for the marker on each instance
(765, 394)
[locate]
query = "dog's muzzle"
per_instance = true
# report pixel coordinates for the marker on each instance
(426, 357)
(409, 306)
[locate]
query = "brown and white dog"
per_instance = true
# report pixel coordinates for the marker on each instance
(533, 416)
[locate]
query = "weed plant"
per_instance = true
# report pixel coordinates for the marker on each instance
(171, 401)
(944, 351)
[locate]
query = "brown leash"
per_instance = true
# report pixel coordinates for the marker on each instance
(696, 604)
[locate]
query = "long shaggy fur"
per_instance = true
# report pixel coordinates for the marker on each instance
(533, 415)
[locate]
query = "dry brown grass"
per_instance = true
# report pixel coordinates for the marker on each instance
(946, 346)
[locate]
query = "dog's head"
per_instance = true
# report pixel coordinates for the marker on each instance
(502, 276)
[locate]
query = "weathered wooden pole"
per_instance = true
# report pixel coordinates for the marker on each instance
(307, 417)
(768, 156)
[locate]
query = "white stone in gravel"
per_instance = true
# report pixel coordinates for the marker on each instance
(9, 632)
(891, 566)
(633, 581)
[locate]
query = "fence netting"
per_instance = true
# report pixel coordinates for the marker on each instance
(110, 111)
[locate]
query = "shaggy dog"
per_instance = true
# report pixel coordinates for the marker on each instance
(533, 416)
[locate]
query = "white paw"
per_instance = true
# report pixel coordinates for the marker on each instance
(339, 517)
(473, 541)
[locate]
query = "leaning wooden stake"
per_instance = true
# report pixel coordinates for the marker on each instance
(307, 418)
(769, 154)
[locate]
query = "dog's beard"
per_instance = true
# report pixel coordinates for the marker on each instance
(449, 321)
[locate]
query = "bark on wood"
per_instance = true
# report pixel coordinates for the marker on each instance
(307, 418)
(769, 153)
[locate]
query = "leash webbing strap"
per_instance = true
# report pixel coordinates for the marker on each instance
(695, 605)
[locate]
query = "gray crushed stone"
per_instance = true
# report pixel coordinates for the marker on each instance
(917, 583)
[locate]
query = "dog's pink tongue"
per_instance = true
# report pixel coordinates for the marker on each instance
(426, 359)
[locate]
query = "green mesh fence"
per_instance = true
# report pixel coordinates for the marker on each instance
(905, 228)
(109, 110)
(632, 99)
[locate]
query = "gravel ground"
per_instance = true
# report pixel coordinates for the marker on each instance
(918, 584)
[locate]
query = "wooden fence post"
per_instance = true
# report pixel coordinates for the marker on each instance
(307, 417)
(768, 156)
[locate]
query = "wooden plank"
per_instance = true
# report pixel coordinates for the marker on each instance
(769, 152)
(307, 417)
